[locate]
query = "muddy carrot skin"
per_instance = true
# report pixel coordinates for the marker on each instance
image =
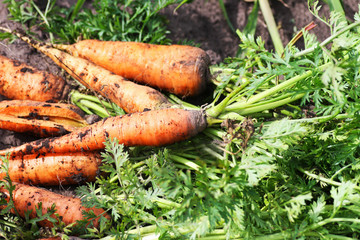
(26, 198)
(128, 95)
(37, 127)
(62, 113)
(179, 69)
(149, 128)
(21, 81)
(33, 109)
(54, 169)
(40, 118)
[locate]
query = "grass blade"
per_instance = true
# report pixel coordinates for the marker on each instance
(223, 9)
(77, 8)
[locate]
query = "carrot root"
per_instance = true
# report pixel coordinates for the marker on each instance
(179, 69)
(26, 198)
(149, 128)
(128, 95)
(21, 81)
(30, 108)
(37, 127)
(54, 169)
(42, 119)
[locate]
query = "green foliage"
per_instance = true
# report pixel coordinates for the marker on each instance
(322, 76)
(124, 20)
(22, 11)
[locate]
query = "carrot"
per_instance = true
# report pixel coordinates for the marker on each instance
(30, 107)
(37, 127)
(54, 169)
(179, 69)
(26, 198)
(42, 119)
(149, 128)
(56, 112)
(128, 95)
(21, 81)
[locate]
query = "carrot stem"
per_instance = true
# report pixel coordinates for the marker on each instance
(214, 133)
(258, 103)
(7, 223)
(90, 104)
(286, 84)
(212, 121)
(77, 8)
(271, 25)
(185, 162)
(270, 105)
(174, 99)
(336, 6)
(144, 230)
(78, 96)
(328, 40)
(216, 110)
(266, 104)
(308, 27)
(91, 108)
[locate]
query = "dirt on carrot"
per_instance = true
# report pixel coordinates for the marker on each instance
(30, 108)
(69, 209)
(37, 127)
(131, 97)
(149, 128)
(21, 81)
(54, 169)
(179, 69)
(39, 118)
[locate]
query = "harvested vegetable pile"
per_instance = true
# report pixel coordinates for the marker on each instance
(271, 154)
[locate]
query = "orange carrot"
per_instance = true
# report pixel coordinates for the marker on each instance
(62, 113)
(183, 70)
(54, 169)
(42, 119)
(37, 127)
(26, 198)
(21, 81)
(128, 95)
(149, 128)
(29, 108)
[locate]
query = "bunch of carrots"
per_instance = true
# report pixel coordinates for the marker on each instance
(131, 75)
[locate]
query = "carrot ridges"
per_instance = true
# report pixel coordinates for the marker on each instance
(150, 128)
(26, 198)
(131, 97)
(60, 169)
(179, 69)
(42, 119)
(21, 81)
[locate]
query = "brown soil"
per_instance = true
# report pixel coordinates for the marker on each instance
(201, 22)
